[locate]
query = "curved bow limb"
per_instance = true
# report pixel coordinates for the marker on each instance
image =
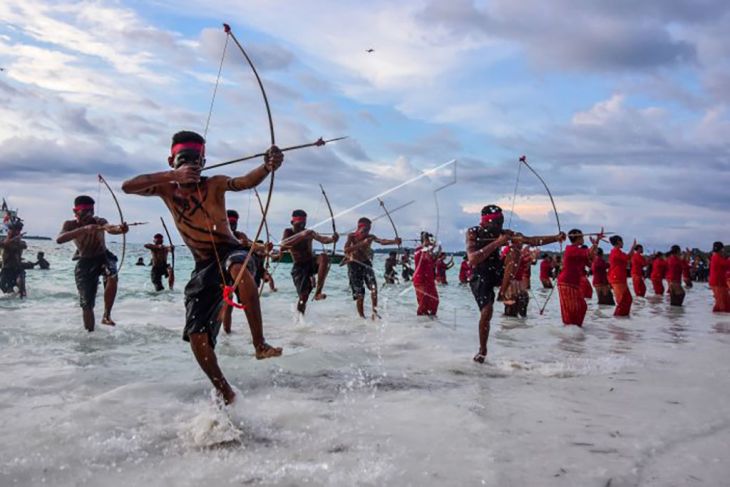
(332, 217)
(523, 160)
(121, 220)
(392, 223)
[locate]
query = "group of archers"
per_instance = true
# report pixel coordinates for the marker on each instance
(496, 263)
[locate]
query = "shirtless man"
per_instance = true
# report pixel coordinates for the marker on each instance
(41, 262)
(160, 267)
(12, 274)
(297, 240)
(87, 232)
(405, 262)
(359, 264)
(198, 207)
(257, 257)
(390, 275)
(482, 249)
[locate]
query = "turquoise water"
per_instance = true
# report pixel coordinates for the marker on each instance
(638, 401)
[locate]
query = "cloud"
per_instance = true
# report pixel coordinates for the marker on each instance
(567, 34)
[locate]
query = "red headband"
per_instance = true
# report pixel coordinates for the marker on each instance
(299, 219)
(197, 146)
(232, 219)
(492, 216)
(83, 206)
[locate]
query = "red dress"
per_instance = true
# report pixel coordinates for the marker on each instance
(573, 305)
(618, 262)
(585, 286)
(637, 274)
(658, 270)
(600, 272)
(674, 269)
(545, 267)
(719, 268)
(464, 272)
(424, 281)
(441, 272)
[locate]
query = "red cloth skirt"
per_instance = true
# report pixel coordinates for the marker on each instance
(722, 299)
(585, 288)
(428, 298)
(573, 305)
(639, 286)
(623, 299)
(658, 286)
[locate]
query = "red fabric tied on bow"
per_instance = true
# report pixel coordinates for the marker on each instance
(228, 297)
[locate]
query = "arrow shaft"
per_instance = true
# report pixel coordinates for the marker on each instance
(261, 154)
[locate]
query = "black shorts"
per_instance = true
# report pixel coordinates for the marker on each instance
(303, 276)
(87, 273)
(361, 274)
(204, 293)
(9, 278)
(157, 273)
(259, 261)
(482, 287)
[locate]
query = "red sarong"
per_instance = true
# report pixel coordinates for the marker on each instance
(585, 288)
(623, 298)
(658, 286)
(573, 305)
(428, 298)
(639, 286)
(722, 299)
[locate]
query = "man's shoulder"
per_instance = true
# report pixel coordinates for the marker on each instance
(70, 224)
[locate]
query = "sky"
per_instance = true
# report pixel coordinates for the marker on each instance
(622, 107)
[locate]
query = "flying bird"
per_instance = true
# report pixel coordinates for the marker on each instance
(370, 50)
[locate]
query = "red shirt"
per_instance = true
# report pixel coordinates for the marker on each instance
(674, 268)
(545, 267)
(464, 271)
(575, 260)
(425, 267)
(719, 268)
(637, 265)
(658, 269)
(600, 271)
(685, 269)
(618, 261)
(441, 269)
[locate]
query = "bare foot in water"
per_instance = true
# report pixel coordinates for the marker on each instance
(267, 351)
(108, 321)
(480, 357)
(375, 315)
(320, 296)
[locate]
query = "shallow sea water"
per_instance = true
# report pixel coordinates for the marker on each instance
(637, 401)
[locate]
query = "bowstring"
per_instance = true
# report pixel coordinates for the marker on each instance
(514, 194)
(509, 226)
(205, 136)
